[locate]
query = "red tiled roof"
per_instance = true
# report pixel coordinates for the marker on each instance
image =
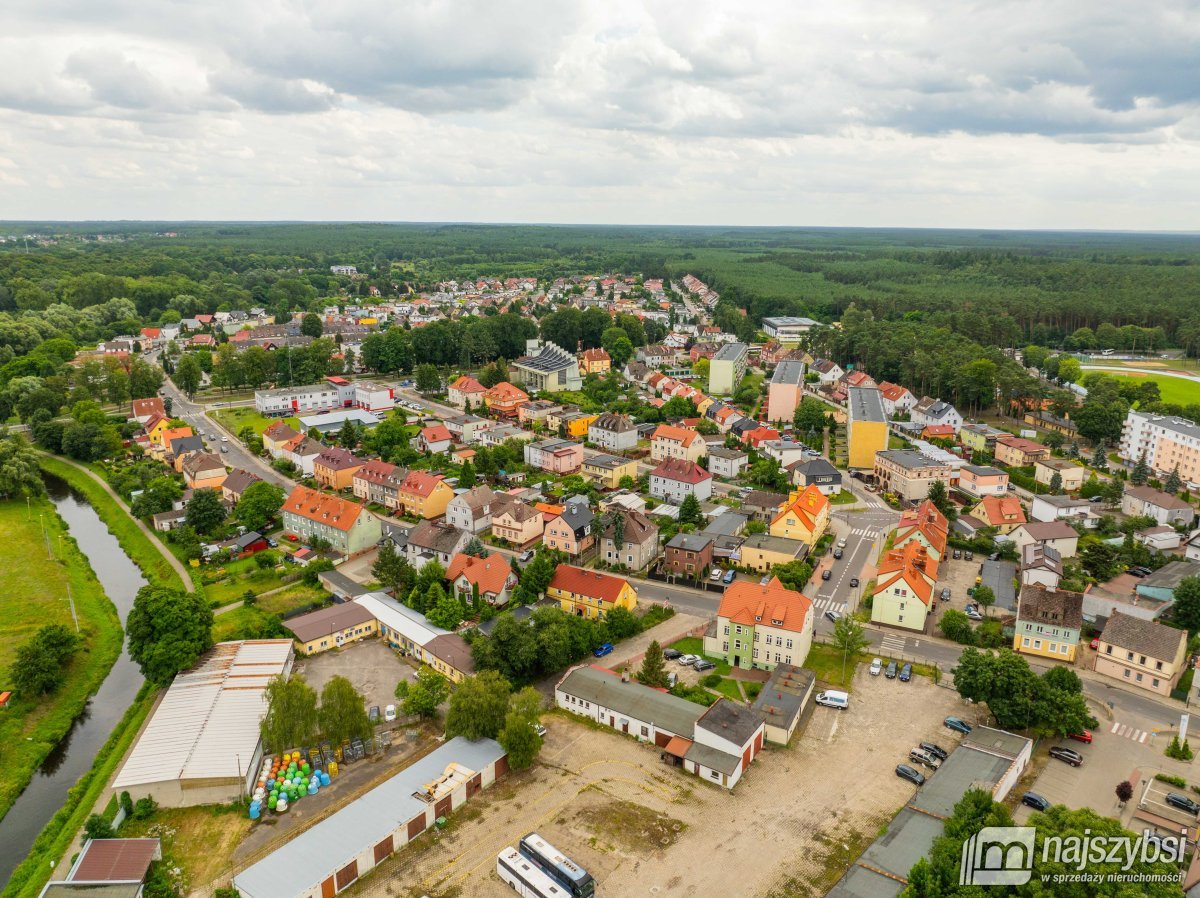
(588, 583)
(152, 406)
(997, 510)
(489, 574)
(323, 509)
(375, 471)
(749, 603)
(435, 433)
(680, 435)
(506, 392)
(682, 470)
(914, 565)
(420, 483)
(595, 355)
(807, 506)
(467, 384)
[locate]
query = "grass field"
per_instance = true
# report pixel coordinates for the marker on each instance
(234, 419)
(826, 662)
(1173, 389)
(34, 594)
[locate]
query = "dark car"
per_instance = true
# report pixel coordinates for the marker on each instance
(936, 750)
(826, 574)
(969, 556)
(853, 582)
(671, 654)
(1069, 755)
(890, 673)
(603, 650)
(1136, 572)
(837, 553)
(958, 725)
(525, 556)
(1035, 801)
(910, 773)
(958, 553)
(906, 673)
(1183, 803)
(703, 665)
(373, 714)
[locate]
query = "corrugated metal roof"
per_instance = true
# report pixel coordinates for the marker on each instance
(300, 865)
(410, 624)
(207, 723)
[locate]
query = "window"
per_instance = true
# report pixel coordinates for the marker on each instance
(725, 646)
(756, 653)
(1127, 673)
(789, 643)
(1158, 665)
(1129, 656)
(777, 657)
(727, 629)
(1025, 642)
(1108, 650)
(1139, 678)
(1155, 682)
(770, 639)
(1142, 660)
(1037, 643)
(645, 731)
(1063, 648)
(737, 630)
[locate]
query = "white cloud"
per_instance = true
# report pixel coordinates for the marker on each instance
(1022, 114)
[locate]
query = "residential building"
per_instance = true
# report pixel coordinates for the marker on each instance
(202, 470)
(334, 468)
(760, 625)
(1045, 420)
(783, 701)
(471, 510)
(677, 478)
(827, 371)
(590, 594)
(302, 451)
(762, 505)
(979, 437)
(466, 393)
(1142, 653)
(331, 628)
(688, 555)
(1064, 508)
(491, 579)
(727, 368)
(423, 494)
(502, 433)
(1070, 474)
(788, 329)
(897, 400)
(728, 463)
(409, 632)
(866, 428)
(805, 517)
(628, 539)
(1163, 507)
(613, 432)
(434, 541)
(555, 456)
(786, 391)
(1048, 622)
(904, 587)
(1005, 513)
(276, 437)
(935, 411)
(716, 743)
(504, 399)
(978, 481)
(925, 525)
(655, 355)
(374, 482)
(546, 367)
(434, 439)
(467, 429)
(1191, 549)
(145, 409)
(346, 526)
(1169, 443)
(1041, 566)
(575, 424)
(594, 361)
(572, 531)
(607, 471)
(515, 522)
(908, 473)
(762, 551)
(236, 483)
(669, 441)
(816, 472)
(536, 412)
(1058, 535)
(1017, 452)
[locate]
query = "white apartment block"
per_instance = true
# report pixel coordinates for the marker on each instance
(1169, 443)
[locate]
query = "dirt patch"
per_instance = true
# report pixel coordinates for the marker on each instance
(633, 827)
(198, 841)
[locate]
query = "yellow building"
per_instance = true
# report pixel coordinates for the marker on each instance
(804, 518)
(867, 430)
(588, 593)
(1048, 622)
(594, 361)
(424, 495)
(761, 552)
(331, 628)
(608, 470)
(577, 424)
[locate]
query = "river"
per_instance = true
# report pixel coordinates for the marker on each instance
(73, 756)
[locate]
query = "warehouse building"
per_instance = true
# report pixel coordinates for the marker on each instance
(330, 856)
(201, 744)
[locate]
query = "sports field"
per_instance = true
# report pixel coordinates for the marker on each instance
(234, 419)
(1173, 389)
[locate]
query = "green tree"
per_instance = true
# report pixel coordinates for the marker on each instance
(291, 718)
(985, 597)
(205, 511)
(1055, 483)
(1185, 610)
(343, 712)
(955, 625)
(654, 668)
(259, 504)
(187, 374)
(97, 827)
(1100, 458)
(19, 472)
(690, 511)
(168, 630)
(1069, 370)
(519, 735)
(1141, 471)
(849, 637)
(940, 497)
(40, 664)
(159, 495)
(426, 694)
(622, 623)
(393, 571)
(1174, 482)
(478, 706)
(390, 438)
(311, 325)
(442, 610)
(428, 380)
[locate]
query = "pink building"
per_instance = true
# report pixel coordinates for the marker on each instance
(555, 456)
(786, 390)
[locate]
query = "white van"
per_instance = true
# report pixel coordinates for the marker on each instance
(831, 699)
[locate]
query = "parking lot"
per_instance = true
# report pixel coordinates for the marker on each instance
(370, 665)
(639, 826)
(959, 575)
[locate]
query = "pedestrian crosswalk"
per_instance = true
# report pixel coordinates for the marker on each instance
(1128, 732)
(892, 645)
(829, 604)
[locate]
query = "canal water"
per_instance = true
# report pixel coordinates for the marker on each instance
(73, 756)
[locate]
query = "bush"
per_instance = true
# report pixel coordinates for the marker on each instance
(711, 681)
(144, 808)
(752, 690)
(1180, 752)
(98, 828)
(1177, 781)
(656, 615)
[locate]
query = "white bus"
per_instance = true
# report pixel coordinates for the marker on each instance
(560, 868)
(525, 878)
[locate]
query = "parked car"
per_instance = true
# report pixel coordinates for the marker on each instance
(1068, 755)
(224, 448)
(839, 701)
(672, 654)
(925, 759)
(525, 556)
(973, 614)
(837, 553)
(936, 750)
(272, 543)
(958, 725)
(716, 574)
(876, 667)
(373, 714)
(603, 650)
(672, 679)
(389, 713)
(890, 673)
(1095, 643)
(1183, 803)
(1136, 572)
(969, 556)
(1084, 736)
(1095, 500)
(853, 582)
(1035, 801)
(958, 553)
(703, 665)
(730, 576)
(539, 729)
(832, 616)
(826, 574)
(910, 773)
(906, 673)
(944, 595)
(841, 543)
(687, 660)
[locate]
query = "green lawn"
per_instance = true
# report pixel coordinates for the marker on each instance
(1173, 389)
(843, 497)
(694, 645)
(826, 662)
(239, 577)
(729, 689)
(35, 594)
(234, 419)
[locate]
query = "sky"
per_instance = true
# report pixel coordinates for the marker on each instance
(1048, 114)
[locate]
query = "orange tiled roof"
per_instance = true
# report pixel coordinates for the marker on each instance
(468, 384)
(420, 483)
(914, 565)
(322, 509)
(489, 574)
(807, 507)
(749, 603)
(506, 392)
(679, 434)
(588, 583)
(997, 510)
(435, 434)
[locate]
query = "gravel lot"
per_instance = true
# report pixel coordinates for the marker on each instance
(370, 665)
(640, 826)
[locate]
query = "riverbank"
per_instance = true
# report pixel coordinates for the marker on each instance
(155, 560)
(35, 594)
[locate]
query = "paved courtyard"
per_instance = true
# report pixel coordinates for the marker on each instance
(370, 665)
